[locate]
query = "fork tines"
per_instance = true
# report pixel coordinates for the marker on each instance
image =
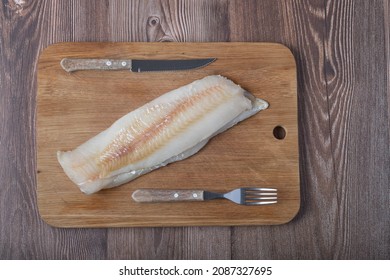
(260, 196)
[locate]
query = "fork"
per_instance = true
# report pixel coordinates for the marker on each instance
(244, 196)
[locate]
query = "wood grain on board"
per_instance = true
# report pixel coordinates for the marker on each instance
(73, 107)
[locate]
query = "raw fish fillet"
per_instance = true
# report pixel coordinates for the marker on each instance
(172, 127)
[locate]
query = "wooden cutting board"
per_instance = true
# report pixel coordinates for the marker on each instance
(73, 107)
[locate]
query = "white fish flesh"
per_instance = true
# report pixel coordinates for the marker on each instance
(172, 127)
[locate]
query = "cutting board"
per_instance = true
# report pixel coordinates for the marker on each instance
(261, 151)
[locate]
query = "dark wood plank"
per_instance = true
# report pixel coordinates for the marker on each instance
(386, 11)
(356, 75)
(26, 28)
(345, 152)
(300, 26)
(190, 243)
(20, 227)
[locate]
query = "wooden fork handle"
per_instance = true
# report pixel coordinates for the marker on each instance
(158, 195)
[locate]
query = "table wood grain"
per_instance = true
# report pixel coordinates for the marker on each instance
(342, 52)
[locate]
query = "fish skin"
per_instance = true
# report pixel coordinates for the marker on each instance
(171, 127)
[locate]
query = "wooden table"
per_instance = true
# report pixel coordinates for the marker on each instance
(342, 51)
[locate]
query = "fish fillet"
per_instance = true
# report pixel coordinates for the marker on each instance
(172, 127)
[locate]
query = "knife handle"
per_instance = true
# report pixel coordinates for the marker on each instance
(158, 195)
(74, 64)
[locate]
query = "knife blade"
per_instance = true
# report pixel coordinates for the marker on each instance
(134, 65)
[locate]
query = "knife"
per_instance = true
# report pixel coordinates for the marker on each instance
(134, 65)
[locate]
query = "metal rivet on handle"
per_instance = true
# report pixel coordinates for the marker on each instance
(176, 195)
(194, 195)
(124, 63)
(108, 63)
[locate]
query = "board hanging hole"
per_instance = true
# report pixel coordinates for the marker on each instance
(279, 132)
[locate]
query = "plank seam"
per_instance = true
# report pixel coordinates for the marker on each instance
(386, 12)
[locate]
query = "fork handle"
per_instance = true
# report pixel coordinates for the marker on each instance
(158, 195)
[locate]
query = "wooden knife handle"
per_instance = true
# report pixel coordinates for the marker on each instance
(158, 195)
(74, 64)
